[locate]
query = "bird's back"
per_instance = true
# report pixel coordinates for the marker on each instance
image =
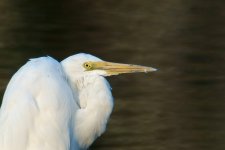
(38, 108)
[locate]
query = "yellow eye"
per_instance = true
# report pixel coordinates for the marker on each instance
(87, 66)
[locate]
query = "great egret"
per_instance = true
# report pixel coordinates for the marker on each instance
(59, 106)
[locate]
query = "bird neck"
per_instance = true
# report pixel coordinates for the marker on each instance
(96, 103)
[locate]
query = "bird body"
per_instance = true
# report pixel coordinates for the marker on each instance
(50, 105)
(36, 113)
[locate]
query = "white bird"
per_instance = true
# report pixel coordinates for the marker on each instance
(50, 105)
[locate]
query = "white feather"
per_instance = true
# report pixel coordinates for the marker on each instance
(52, 106)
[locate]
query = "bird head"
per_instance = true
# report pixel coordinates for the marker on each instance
(86, 64)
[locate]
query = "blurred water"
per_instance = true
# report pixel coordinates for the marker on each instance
(179, 107)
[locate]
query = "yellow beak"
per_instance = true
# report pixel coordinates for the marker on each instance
(117, 68)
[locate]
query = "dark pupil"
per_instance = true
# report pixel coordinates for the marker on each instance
(87, 65)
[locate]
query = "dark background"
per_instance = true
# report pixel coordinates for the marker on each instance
(179, 107)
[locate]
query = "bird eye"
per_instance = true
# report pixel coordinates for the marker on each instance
(87, 66)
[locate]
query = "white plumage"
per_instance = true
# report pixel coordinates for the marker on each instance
(58, 106)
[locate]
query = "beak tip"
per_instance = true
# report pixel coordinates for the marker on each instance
(151, 70)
